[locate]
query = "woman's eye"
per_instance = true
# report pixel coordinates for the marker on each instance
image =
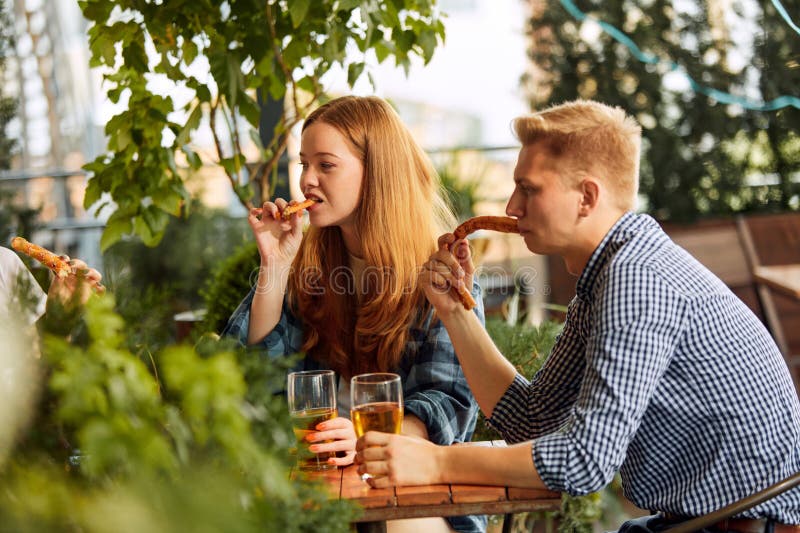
(303, 165)
(326, 166)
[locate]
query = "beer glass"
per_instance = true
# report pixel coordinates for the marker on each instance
(312, 400)
(376, 404)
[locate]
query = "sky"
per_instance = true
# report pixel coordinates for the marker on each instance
(477, 70)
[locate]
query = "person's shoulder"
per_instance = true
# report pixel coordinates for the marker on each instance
(10, 261)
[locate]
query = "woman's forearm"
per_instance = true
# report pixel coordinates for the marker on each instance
(265, 310)
(414, 427)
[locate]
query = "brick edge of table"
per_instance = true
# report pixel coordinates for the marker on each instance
(420, 511)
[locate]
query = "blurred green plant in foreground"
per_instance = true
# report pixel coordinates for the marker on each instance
(192, 441)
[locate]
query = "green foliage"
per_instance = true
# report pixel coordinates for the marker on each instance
(526, 346)
(152, 284)
(169, 447)
(689, 167)
(461, 189)
(272, 50)
(8, 105)
(231, 281)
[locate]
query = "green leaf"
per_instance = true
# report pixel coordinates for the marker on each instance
(306, 83)
(113, 232)
(256, 138)
(354, 72)
(427, 41)
(203, 93)
(155, 218)
(298, 10)
(191, 124)
(144, 231)
(347, 5)
(93, 193)
(249, 108)
(134, 57)
(192, 158)
(189, 49)
(168, 201)
(382, 50)
(244, 192)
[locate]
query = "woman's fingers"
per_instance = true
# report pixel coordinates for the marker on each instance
(334, 446)
(343, 461)
(445, 241)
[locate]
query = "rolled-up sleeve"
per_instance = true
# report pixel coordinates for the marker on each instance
(435, 389)
(286, 337)
(628, 348)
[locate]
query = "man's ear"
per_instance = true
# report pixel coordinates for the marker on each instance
(590, 195)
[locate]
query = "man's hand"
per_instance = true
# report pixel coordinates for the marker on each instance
(448, 268)
(397, 460)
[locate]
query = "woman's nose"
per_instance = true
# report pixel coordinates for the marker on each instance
(308, 179)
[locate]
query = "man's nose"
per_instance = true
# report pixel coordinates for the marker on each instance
(514, 207)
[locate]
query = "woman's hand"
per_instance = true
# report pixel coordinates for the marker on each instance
(397, 460)
(450, 266)
(278, 240)
(340, 431)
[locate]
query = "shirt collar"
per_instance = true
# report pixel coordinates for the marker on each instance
(628, 224)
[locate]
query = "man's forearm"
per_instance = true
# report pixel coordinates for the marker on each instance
(480, 465)
(488, 373)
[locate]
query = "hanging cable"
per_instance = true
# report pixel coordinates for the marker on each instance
(785, 15)
(721, 96)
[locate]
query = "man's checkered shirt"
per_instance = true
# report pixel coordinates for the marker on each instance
(663, 374)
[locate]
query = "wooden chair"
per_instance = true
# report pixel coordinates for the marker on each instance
(738, 507)
(775, 240)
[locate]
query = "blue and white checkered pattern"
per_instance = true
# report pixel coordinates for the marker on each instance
(663, 374)
(434, 387)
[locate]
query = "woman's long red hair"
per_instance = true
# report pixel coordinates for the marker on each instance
(399, 217)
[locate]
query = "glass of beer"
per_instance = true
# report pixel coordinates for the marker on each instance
(376, 404)
(312, 400)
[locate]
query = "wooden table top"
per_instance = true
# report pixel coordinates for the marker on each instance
(784, 278)
(434, 500)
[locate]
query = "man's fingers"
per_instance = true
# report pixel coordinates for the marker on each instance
(373, 438)
(374, 468)
(381, 482)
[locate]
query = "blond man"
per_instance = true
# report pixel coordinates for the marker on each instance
(661, 373)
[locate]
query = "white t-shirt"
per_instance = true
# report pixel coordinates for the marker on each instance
(12, 272)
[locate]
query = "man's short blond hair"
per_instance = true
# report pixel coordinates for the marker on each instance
(589, 138)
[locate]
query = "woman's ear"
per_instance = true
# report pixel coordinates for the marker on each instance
(590, 195)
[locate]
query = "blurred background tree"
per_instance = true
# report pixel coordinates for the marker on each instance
(15, 218)
(8, 105)
(256, 52)
(700, 157)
